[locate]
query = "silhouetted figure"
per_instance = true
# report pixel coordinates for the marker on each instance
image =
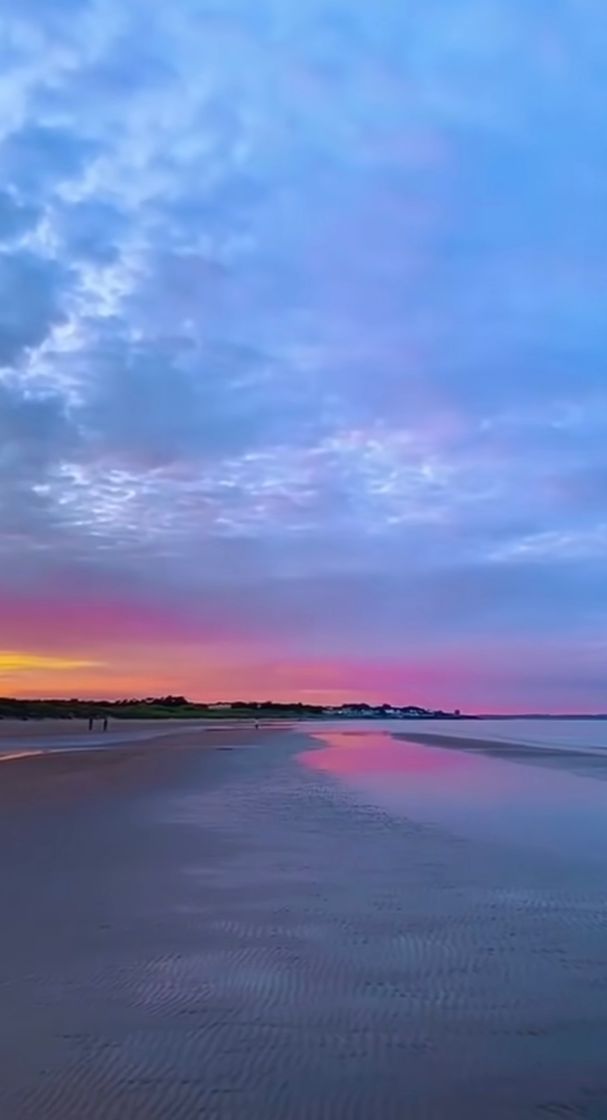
(90, 723)
(105, 724)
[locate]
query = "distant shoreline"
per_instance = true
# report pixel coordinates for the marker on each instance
(178, 707)
(64, 712)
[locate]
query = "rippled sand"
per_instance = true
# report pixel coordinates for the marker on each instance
(231, 934)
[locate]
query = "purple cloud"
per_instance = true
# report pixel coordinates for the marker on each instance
(301, 312)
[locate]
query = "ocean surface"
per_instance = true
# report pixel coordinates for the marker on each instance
(570, 734)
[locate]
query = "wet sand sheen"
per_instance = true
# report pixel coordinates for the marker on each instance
(202, 933)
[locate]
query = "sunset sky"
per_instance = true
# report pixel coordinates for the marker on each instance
(303, 341)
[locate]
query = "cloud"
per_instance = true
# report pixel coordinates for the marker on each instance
(34, 427)
(32, 292)
(38, 157)
(91, 231)
(15, 217)
(301, 315)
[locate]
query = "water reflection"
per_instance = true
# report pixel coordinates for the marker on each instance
(471, 794)
(362, 752)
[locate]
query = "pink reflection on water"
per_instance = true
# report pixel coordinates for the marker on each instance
(348, 752)
(468, 792)
(375, 753)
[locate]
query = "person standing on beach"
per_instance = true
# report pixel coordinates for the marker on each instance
(105, 724)
(90, 723)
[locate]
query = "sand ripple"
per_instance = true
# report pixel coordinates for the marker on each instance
(259, 945)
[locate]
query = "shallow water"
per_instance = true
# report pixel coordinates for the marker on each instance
(471, 794)
(570, 734)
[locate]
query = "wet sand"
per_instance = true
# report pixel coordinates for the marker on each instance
(234, 933)
(19, 737)
(49, 729)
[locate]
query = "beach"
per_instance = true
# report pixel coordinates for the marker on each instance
(298, 922)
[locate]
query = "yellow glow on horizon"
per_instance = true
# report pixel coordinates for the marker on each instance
(18, 661)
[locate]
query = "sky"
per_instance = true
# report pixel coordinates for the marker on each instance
(303, 384)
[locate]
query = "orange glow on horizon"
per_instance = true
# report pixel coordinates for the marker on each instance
(20, 661)
(195, 672)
